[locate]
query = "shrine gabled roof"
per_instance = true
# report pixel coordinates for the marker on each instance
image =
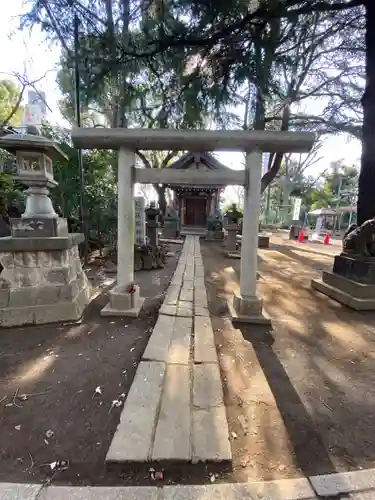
(188, 159)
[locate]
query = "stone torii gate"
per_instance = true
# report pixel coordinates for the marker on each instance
(124, 297)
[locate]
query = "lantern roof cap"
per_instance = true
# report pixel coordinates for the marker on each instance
(14, 143)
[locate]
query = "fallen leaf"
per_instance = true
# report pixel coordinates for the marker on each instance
(234, 435)
(98, 390)
(45, 440)
(9, 405)
(212, 478)
(53, 465)
(18, 427)
(49, 433)
(23, 397)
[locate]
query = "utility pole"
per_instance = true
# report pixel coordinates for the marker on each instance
(78, 122)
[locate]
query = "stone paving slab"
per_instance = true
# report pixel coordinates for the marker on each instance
(201, 311)
(172, 439)
(158, 345)
(99, 493)
(133, 437)
(168, 310)
(186, 295)
(15, 491)
(172, 295)
(179, 349)
(344, 482)
(284, 489)
(204, 344)
(211, 435)
(362, 495)
(287, 489)
(207, 386)
(174, 410)
(184, 304)
(184, 312)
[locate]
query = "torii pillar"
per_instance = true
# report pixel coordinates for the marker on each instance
(247, 306)
(124, 299)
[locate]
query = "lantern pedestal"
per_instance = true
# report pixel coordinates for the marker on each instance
(41, 277)
(42, 280)
(39, 227)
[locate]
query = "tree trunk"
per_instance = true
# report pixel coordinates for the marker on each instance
(366, 185)
(124, 69)
(161, 198)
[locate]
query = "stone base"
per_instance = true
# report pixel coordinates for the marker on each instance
(263, 241)
(358, 296)
(41, 286)
(232, 254)
(122, 303)
(355, 268)
(39, 227)
(170, 232)
(214, 235)
(247, 310)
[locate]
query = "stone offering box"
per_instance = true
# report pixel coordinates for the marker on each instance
(41, 277)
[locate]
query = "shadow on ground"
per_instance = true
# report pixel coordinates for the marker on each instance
(300, 398)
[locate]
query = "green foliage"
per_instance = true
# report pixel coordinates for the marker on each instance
(198, 63)
(100, 183)
(10, 109)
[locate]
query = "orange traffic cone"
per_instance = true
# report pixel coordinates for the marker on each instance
(326, 238)
(301, 236)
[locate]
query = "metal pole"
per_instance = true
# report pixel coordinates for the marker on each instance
(78, 121)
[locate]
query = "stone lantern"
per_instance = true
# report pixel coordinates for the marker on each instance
(232, 216)
(152, 215)
(41, 278)
(34, 156)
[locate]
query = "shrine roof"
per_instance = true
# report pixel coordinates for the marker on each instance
(186, 160)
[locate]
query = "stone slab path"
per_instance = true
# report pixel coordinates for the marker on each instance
(175, 409)
(356, 485)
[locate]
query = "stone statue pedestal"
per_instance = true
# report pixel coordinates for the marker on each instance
(152, 232)
(42, 280)
(170, 229)
(214, 235)
(351, 282)
(231, 242)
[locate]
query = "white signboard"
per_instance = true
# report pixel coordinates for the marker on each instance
(33, 115)
(139, 220)
(297, 208)
(38, 98)
(318, 228)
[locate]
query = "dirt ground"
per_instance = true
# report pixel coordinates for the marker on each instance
(71, 375)
(300, 396)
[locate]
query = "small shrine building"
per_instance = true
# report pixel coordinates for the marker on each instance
(195, 203)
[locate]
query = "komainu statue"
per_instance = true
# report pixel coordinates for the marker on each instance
(360, 240)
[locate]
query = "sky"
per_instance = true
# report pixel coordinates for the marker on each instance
(29, 52)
